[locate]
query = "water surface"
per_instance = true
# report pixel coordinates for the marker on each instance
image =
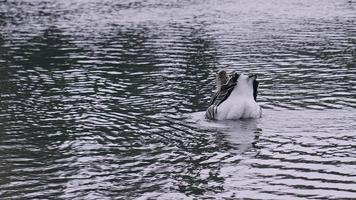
(104, 99)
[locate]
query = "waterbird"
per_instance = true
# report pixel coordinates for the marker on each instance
(235, 97)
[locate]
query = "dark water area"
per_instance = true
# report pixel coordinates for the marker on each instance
(104, 99)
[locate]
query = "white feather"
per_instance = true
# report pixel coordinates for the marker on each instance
(240, 104)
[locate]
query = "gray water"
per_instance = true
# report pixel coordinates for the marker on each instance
(104, 99)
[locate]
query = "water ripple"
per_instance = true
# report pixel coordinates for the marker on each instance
(101, 99)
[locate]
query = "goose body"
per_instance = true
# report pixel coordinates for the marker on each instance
(235, 100)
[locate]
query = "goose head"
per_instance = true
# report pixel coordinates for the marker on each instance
(221, 78)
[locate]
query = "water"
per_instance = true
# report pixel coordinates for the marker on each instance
(104, 99)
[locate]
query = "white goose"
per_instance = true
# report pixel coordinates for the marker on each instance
(235, 98)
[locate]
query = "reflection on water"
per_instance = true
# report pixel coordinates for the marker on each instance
(103, 99)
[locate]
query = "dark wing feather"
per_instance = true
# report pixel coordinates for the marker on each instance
(213, 99)
(220, 96)
(255, 87)
(225, 94)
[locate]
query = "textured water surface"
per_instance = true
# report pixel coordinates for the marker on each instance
(104, 99)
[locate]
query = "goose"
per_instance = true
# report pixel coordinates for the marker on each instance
(235, 97)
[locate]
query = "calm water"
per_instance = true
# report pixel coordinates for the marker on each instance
(103, 99)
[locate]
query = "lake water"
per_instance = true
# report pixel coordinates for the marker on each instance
(103, 99)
